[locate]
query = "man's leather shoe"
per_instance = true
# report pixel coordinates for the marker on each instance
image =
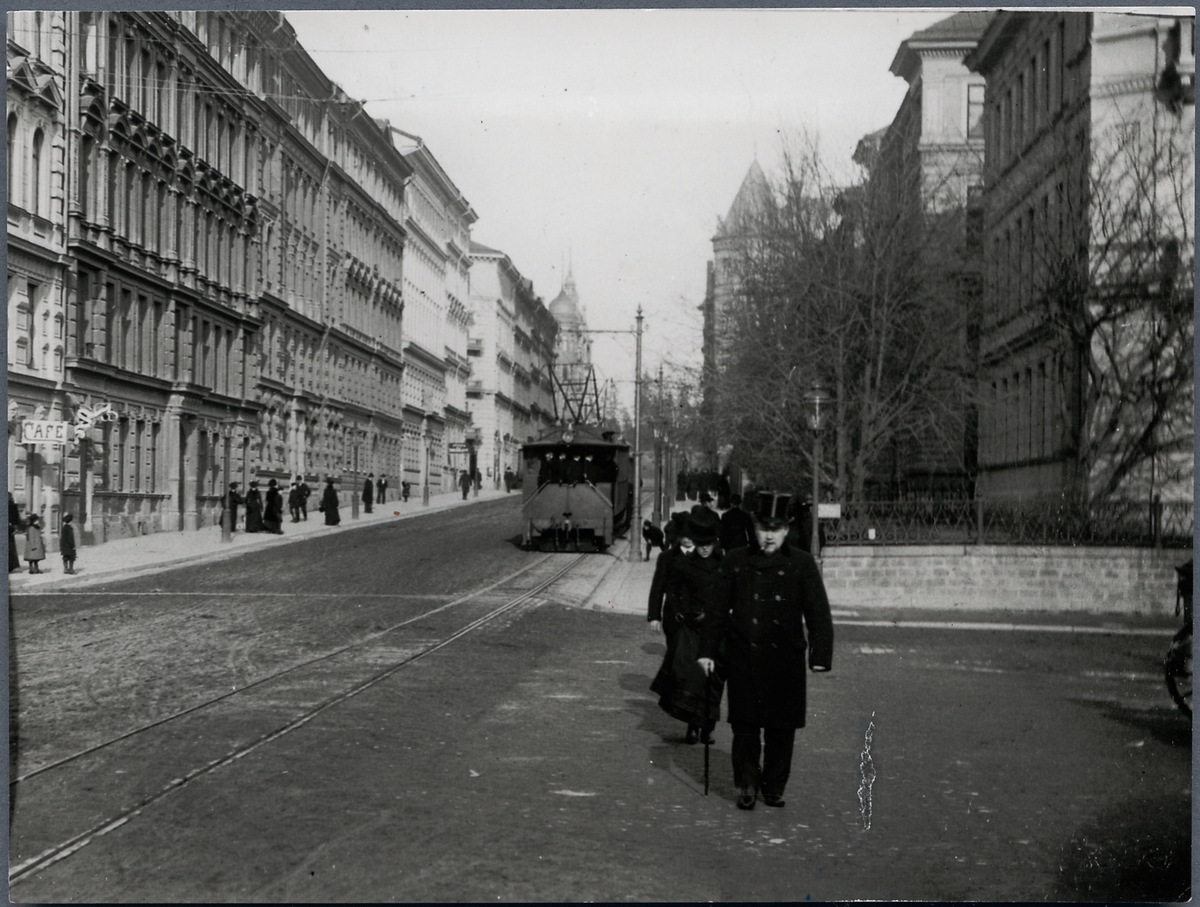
(746, 799)
(693, 734)
(707, 737)
(773, 800)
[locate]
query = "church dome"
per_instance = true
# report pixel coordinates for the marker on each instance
(565, 307)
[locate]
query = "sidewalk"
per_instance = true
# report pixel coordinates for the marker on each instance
(146, 554)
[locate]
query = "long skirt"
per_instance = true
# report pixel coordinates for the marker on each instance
(684, 692)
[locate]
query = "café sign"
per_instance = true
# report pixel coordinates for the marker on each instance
(43, 431)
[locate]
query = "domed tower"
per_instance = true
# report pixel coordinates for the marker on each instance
(572, 348)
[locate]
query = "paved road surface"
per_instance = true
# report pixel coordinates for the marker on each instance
(528, 761)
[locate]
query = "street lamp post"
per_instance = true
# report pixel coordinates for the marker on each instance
(817, 404)
(635, 524)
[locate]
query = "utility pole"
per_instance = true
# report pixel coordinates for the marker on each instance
(635, 522)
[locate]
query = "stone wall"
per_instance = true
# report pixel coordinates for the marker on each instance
(1124, 580)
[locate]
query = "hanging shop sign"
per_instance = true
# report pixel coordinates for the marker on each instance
(42, 431)
(86, 417)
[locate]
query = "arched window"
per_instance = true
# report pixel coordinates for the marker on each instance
(10, 136)
(35, 173)
(86, 150)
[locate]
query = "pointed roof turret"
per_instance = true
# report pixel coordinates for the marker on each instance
(747, 203)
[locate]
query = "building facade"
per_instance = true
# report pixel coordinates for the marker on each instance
(925, 168)
(511, 391)
(1088, 222)
(436, 285)
(205, 250)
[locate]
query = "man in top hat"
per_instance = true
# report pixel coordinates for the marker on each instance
(778, 616)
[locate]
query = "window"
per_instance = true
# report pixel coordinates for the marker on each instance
(27, 323)
(12, 131)
(83, 313)
(975, 111)
(35, 174)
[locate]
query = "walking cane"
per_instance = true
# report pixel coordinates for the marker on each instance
(704, 727)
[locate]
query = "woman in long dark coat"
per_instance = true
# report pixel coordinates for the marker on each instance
(254, 508)
(329, 504)
(694, 589)
(273, 511)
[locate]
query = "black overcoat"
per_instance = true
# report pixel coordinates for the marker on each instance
(66, 540)
(272, 516)
(254, 511)
(329, 506)
(696, 588)
(772, 600)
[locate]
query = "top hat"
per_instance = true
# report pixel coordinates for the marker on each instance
(703, 528)
(771, 511)
(271, 484)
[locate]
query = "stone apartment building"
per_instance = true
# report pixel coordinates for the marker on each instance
(436, 320)
(511, 391)
(1082, 210)
(205, 255)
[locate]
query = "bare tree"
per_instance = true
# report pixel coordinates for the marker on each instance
(1116, 289)
(858, 287)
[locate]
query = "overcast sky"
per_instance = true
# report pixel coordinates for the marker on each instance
(616, 139)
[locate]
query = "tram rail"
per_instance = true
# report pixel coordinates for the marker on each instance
(48, 856)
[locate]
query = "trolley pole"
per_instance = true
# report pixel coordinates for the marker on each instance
(635, 523)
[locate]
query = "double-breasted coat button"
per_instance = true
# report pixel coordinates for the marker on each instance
(781, 573)
(778, 598)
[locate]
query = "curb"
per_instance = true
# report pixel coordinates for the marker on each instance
(108, 574)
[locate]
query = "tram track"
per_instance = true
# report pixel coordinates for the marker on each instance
(495, 600)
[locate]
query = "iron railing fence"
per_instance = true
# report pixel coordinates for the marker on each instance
(981, 522)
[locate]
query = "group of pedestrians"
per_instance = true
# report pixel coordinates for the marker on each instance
(35, 543)
(742, 607)
(264, 514)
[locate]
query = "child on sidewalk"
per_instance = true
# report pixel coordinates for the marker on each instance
(35, 548)
(66, 544)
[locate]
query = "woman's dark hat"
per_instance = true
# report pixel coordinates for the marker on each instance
(771, 510)
(703, 528)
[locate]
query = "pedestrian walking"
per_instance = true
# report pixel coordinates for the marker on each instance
(724, 489)
(737, 526)
(405, 488)
(293, 501)
(15, 525)
(478, 481)
(777, 615)
(381, 486)
(653, 537)
(368, 492)
(66, 543)
(305, 493)
(273, 509)
(696, 589)
(35, 547)
(329, 503)
(254, 508)
(233, 500)
(464, 482)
